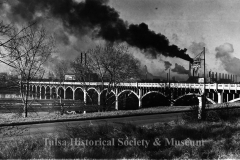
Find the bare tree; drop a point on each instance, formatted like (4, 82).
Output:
(5, 29)
(112, 64)
(60, 69)
(27, 52)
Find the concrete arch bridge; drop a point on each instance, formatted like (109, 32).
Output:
(140, 93)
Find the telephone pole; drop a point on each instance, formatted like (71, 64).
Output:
(204, 83)
(169, 87)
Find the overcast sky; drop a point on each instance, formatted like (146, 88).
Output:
(190, 24)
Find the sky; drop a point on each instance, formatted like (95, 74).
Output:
(190, 24)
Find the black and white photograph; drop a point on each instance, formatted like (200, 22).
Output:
(119, 79)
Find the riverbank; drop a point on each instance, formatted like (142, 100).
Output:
(47, 117)
(173, 140)
(44, 117)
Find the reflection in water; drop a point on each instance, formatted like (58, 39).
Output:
(14, 96)
(2, 96)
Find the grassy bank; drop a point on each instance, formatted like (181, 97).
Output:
(48, 116)
(220, 137)
(8, 118)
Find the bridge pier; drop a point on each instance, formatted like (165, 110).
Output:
(220, 97)
(140, 98)
(116, 99)
(99, 99)
(50, 93)
(40, 93)
(85, 95)
(199, 107)
(73, 94)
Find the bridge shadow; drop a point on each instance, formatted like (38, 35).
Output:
(42, 92)
(92, 97)
(69, 93)
(48, 92)
(127, 101)
(154, 99)
(107, 100)
(79, 95)
(54, 94)
(61, 92)
(188, 100)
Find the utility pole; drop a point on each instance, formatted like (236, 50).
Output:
(202, 98)
(204, 83)
(169, 87)
(169, 77)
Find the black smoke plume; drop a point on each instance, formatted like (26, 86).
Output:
(180, 69)
(99, 19)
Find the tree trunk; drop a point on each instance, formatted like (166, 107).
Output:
(61, 104)
(26, 101)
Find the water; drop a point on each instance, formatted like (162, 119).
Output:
(10, 96)
(18, 96)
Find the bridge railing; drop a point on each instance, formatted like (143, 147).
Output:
(214, 86)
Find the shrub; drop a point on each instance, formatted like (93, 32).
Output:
(227, 113)
(206, 151)
(192, 115)
(212, 116)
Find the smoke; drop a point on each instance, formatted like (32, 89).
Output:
(180, 69)
(224, 51)
(62, 37)
(224, 54)
(167, 64)
(196, 48)
(97, 20)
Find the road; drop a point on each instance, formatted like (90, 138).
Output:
(49, 128)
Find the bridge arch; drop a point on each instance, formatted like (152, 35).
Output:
(153, 92)
(234, 100)
(34, 88)
(48, 88)
(105, 90)
(79, 88)
(127, 90)
(60, 91)
(188, 94)
(128, 100)
(92, 88)
(69, 93)
(210, 100)
(54, 92)
(43, 92)
(69, 87)
(154, 99)
(193, 94)
(184, 100)
(37, 91)
(92, 96)
(107, 101)
(79, 93)
(30, 87)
